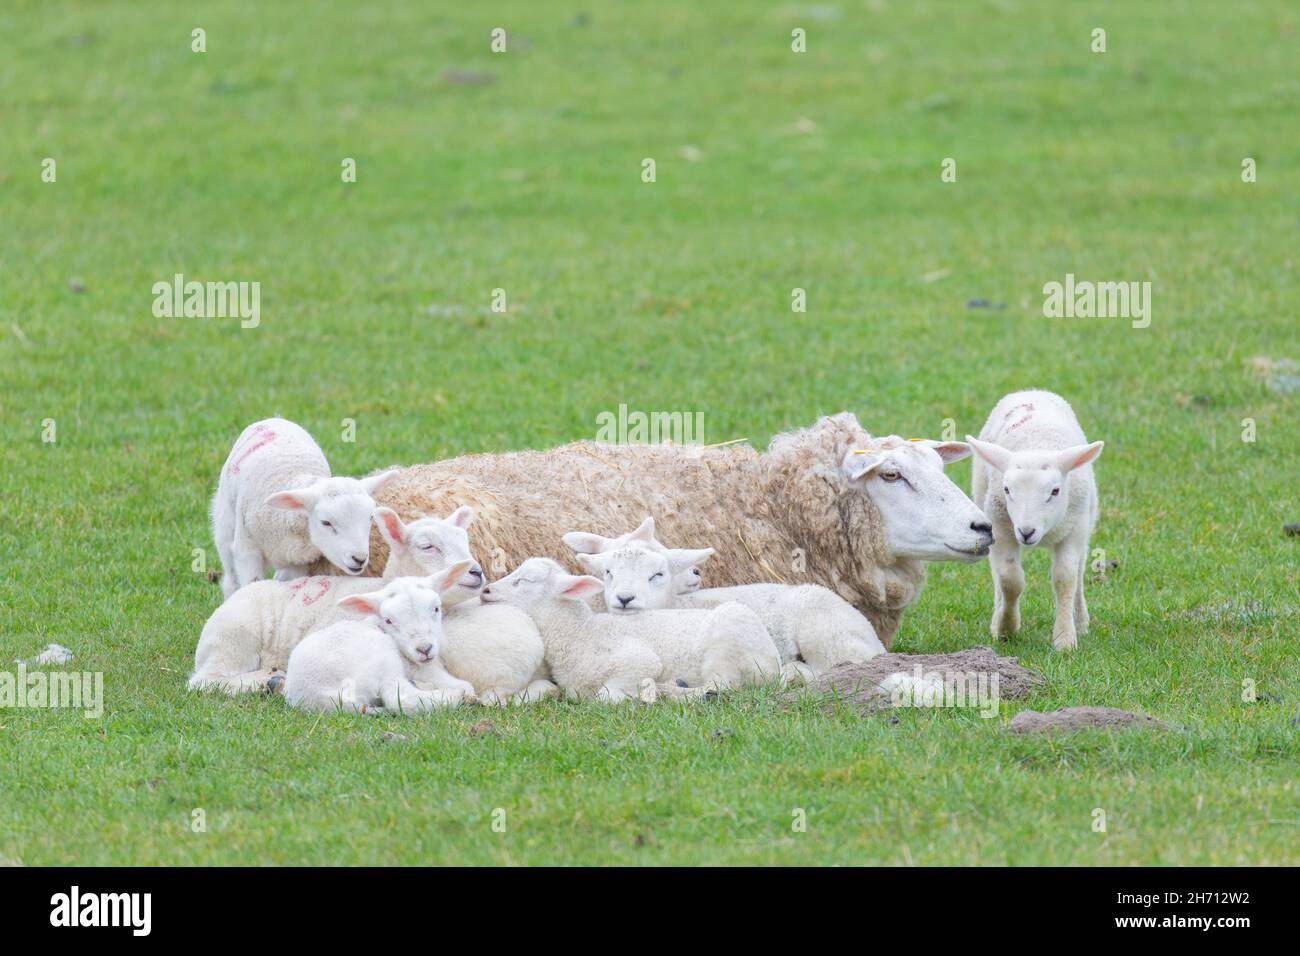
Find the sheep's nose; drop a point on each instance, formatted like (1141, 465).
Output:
(983, 527)
(425, 649)
(360, 559)
(1026, 533)
(487, 590)
(475, 572)
(626, 599)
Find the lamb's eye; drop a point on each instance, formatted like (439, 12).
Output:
(388, 620)
(890, 476)
(657, 574)
(326, 524)
(428, 546)
(1006, 491)
(1055, 492)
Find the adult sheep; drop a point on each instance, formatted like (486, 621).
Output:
(828, 505)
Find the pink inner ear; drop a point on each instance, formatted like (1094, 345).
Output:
(394, 526)
(579, 588)
(286, 500)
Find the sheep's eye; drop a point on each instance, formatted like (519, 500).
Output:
(1006, 491)
(428, 546)
(326, 524)
(1055, 492)
(890, 476)
(657, 574)
(388, 620)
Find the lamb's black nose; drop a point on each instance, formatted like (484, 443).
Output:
(476, 573)
(983, 527)
(626, 600)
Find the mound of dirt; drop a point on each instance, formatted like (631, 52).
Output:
(1070, 719)
(859, 684)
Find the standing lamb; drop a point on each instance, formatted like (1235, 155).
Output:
(609, 655)
(374, 665)
(807, 622)
(1033, 477)
(829, 505)
(277, 505)
(249, 637)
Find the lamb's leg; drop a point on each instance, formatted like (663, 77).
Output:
(798, 674)
(250, 565)
(1008, 583)
(1081, 605)
(402, 696)
(232, 684)
(537, 690)
(1065, 584)
(434, 677)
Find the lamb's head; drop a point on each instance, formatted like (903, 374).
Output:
(685, 580)
(338, 512)
(409, 611)
(429, 544)
(639, 579)
(538, 582)
(1034, 484)
(924, 514)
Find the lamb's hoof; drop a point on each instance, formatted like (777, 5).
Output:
(1065, 643)
(711, 694)
(275, 684)
(647, 692)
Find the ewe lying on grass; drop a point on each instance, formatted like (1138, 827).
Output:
(1033, 477)
(251, 635)
(828, 504)
(276, 505)
(807, 622)
(616, 657)
(374, 665)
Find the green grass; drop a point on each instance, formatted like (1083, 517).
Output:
(667, 296)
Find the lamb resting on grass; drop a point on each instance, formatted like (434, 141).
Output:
(828, 505)
(277, 505)
(1033, 477)
(250, 636)
(808, 624)
(374, 665)
(617, 658)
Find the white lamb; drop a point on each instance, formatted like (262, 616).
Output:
(1033, 477)
(374, 665)
(808, 623)
(277, 506)
(685, 580)
(812, 628)
(249, 637)
(613, 657)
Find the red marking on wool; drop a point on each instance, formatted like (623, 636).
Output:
(322, 587)
(1029, 413)
(261, 437)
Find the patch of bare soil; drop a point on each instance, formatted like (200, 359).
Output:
(1070, 719)
(859, 684)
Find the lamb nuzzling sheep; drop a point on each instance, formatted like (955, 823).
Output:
(1033, 477)
(374, 665)
(807, 622)
(277, 505)
(829, 505)
(251, 635)
(611, 656)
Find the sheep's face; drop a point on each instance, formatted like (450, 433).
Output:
(537, 582)
(925, 515)
(1034, 485)
(637, 578)
(338, 512)
(684, 581)
(409, 612)
(430, 544)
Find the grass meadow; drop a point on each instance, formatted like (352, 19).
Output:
(775, 170)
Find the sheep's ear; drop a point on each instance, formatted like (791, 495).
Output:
(949, 451)
(591, 562)
(682, 559)
(462, 517)
(645, 531)
(582, 543)
(1078, 456)
(299, 499)
(375, 483)
(578, 587)
(362, 605)
(995, 455)
(859, 461)
(447, 578)
(391, 527)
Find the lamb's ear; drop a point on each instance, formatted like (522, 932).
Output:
(949, 451)
(449, 577)
(682, 559)
(462, 517)
(578, 587)
(645, 531)
(391, 527)
(1078, 456)
(361, 605)
(995, 455)
(594, 563)
(582, 543)
(859, 461)
(375, 483)
(298, 499)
